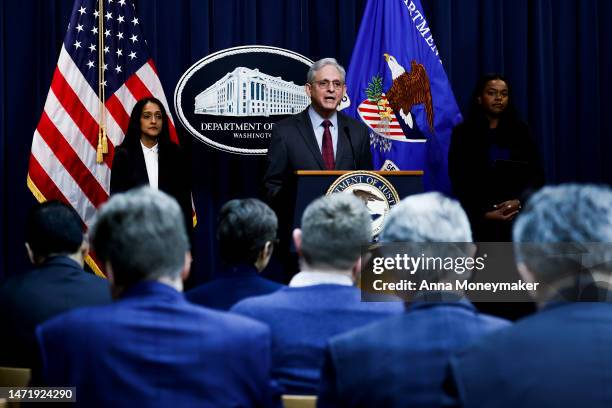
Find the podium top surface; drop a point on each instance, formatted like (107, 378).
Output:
(341, 172)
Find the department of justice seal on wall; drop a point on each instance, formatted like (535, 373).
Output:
(377, 193)
(231, 99)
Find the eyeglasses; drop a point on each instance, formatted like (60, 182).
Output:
(149, 116)
(324, 84)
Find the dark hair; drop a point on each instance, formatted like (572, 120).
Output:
(244, 228)
(53, 228)
(477, 116)
(132, 136)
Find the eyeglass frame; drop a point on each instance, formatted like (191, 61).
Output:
(324, 84)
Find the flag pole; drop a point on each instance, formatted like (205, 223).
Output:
(102, 140)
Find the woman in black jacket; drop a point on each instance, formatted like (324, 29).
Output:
(493, 161)
(147, 156)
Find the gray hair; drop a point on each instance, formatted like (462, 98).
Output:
(320, 64)
(564, 217)
(334, 228)
(141, 233)
(429, 218)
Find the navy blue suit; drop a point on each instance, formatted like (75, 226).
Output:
(153, 348)
(400, 361)
(28, 299)
(559, 357)
(233, 284)
(302, 319)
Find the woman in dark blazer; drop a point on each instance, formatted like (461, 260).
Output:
(165, 167)
(493, 161)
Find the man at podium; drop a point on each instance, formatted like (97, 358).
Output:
(319, 138)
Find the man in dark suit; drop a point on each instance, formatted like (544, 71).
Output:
(151, 347)
(246, 236)
(321, 301)
(562, 355)
(319, 138)
(401, 361)
(56, 246)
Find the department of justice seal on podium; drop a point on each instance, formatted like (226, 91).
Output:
(377, 193)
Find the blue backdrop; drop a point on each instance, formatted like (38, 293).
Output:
(556, 53)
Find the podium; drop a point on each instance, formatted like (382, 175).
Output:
(311, 184)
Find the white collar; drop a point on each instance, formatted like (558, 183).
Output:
(310, 278)
(317, 119)
(153, 149)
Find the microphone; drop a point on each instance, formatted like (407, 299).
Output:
(348, 136)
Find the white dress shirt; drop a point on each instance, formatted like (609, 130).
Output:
(317, 125)
(310, 278)
(152, 163)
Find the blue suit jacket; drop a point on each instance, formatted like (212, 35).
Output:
(400, 361)
(152, 348)
(559, 357)
(302, 319)
(28, 299)
(233, 284)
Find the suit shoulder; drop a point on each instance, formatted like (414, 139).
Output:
(371, 332)
(79, 320)
(350, 120)
(231, 323)
(256, 303)
(494, 322)
(122, 151)
(290, 121)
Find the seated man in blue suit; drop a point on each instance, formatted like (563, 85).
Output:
(321, 300)
(246, 235)
(56, 247)
(562, 355)
(151, 347)
(401, 361)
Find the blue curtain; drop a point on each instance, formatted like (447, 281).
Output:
(556, 54)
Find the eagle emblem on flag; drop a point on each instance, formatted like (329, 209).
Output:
(390, 114)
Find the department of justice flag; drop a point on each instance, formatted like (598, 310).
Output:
(397, 86)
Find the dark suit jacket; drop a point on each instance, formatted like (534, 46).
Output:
(294, 147)
(152, 348)
(30, 298)
(233, 284)
(400, 361)
(129, 171)
(558, 357)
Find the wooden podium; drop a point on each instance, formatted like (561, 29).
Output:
(311, 184)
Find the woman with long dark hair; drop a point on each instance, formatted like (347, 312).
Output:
(493, 161)
(148, 156)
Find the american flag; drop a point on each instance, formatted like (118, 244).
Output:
(63, 159)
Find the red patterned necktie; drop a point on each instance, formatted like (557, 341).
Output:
(327, 147)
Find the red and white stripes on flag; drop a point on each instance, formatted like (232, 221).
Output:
(63, 158)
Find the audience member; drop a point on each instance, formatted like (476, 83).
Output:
(151, 347)
(401, 361)
(56, 246)
(560, 356)
(246, 235)
(321, 300)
